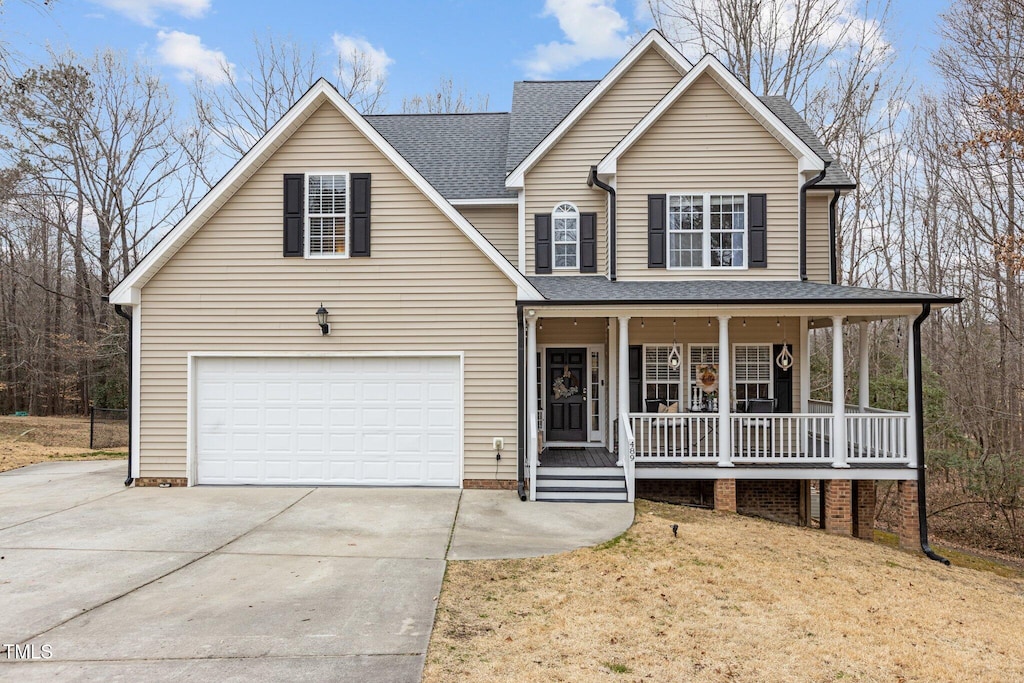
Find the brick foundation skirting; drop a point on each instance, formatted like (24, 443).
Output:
(776, 500)
(725, 495)
(157, 481)
(492, 484)
(910, 531)
(838, 507)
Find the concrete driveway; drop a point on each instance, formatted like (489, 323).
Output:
(332, 584)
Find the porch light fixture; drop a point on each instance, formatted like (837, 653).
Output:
(574, 323)
(674, 361)
(785, 359)
(321, 319)
(642, 323)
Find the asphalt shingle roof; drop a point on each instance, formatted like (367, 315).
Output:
(537, 107)
(467, 156)
(461, 155)
(598, 289)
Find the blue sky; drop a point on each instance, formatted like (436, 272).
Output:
(483, 46)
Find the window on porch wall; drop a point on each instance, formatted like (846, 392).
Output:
(661, 382)
(752, 372)
(595, 391)
(706, 354)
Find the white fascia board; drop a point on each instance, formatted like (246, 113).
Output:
(321, 90)
(496, 201)
(517, 178)
(808, 160)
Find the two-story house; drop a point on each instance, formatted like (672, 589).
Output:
(610, 288)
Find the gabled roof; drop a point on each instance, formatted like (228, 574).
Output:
(835, 176)
(461, 155)
(808, 158)
(653, 39)
(537, 107)
(128, 291)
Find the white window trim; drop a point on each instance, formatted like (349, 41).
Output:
(305, 214)
(555, 242)
(682, 385)
(732, 369)
(706, 232)
(771, 369)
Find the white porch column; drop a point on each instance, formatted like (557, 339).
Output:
(724, 394)
(911, 395)
(805, 365)
(613, 382)
(623, 377)
(531, 399)
(864, 390)
(838, 395)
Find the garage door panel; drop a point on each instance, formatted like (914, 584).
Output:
(328, 420)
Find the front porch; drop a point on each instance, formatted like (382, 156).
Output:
(674, 393)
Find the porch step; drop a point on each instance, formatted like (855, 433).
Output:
(581, 484)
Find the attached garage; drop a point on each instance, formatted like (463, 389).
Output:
(352, 420)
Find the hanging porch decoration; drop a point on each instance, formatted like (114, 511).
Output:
(674, 360)
(707, 377)
(785, 359)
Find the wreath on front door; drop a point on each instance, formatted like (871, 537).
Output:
(565, 385)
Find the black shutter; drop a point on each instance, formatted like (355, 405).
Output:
(360, 221)
(757, 222)
(656, 238)
(783, 382)
(588, 242)
(294, 190)
(542, 243)
(636, 373)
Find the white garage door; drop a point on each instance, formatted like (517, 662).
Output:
(391, 421)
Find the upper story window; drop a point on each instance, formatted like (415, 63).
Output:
(565, 242)
(706, 230)
(326, 214)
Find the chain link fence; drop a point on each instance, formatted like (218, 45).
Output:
(108, 428)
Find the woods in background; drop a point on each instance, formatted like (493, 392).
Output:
(97, 161)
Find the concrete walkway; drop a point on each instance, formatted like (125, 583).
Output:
(332, 584)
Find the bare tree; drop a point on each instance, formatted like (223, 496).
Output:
(445, 99)
(240, 105)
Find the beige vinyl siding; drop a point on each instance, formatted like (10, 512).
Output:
(499, 224)
(426, 288)
(707, 142)
(658, 332)
(561, 175)
(818, 255)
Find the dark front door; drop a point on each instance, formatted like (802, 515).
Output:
(566, 388)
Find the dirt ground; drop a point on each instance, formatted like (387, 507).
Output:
(29, 440)
(730, 599)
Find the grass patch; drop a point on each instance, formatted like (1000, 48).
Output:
(30, 440)
(957, 558)
(729, 598)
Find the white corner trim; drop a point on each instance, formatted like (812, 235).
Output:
(321, 90)
(808, 158)
(496, 201)
(521, 256)
(516, 179)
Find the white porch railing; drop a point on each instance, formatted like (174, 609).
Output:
(677, 437)
(878, 437)
(873, 437)
(534, 455)
(627, 454)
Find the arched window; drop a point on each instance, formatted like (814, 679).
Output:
(566, 238)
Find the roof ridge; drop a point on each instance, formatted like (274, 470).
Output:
(568, 80)
(451, 113)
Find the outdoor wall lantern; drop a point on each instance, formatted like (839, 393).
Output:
(321, 319)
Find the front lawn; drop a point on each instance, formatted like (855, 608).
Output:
(30, 440)
(730, 599)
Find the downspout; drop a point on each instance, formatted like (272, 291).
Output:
(593, 180)
(124, 314)
(521, 390)
(833, 263)
(922, 516)
(803, 218)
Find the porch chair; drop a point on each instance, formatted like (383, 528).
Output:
(751, 425)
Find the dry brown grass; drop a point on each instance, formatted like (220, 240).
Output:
(731, 599)
(29, 440)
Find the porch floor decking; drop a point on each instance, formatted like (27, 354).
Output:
(589, 456)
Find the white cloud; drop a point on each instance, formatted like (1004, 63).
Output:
(147, 11)
(593, 30)
(187, 53)
(352, 48)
